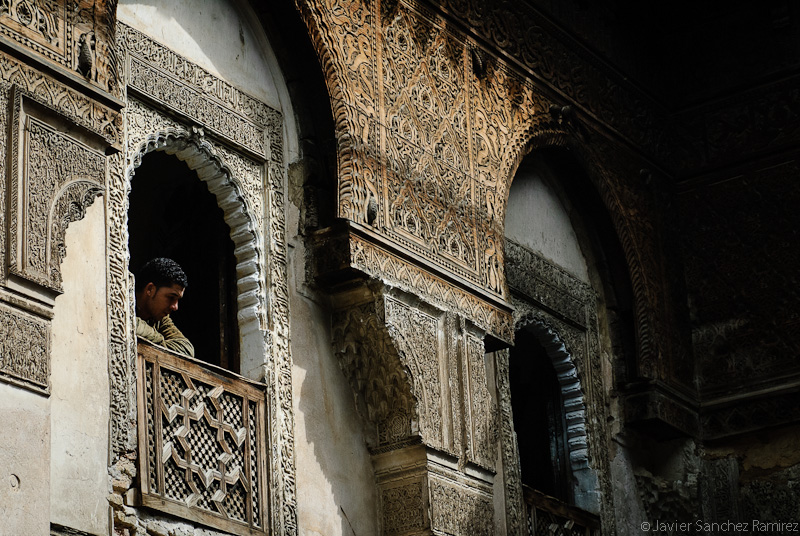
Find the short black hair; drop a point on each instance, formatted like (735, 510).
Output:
(162, 272)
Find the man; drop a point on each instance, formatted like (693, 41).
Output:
(160, 284)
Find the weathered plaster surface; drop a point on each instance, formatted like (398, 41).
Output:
(24, 462)
(222, 37)
(79, 396)
(336, 491)
(537, 218)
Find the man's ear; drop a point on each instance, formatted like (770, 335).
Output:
(150, 289)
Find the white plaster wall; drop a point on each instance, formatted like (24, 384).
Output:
(24, 462)
(537, 218)
(80, 386)
(223, 37)
(336, 491)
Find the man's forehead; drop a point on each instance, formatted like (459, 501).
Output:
(175, 288)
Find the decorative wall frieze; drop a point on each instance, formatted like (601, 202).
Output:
(76, 37)
(172, 81)
(339, 253)
(726, 418)
(549, 285)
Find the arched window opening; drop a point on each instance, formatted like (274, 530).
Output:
(539, 420)
(172, 214)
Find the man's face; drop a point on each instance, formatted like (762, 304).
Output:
(156, 303)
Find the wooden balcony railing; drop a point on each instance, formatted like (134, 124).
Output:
(202, 446)
(548, 516)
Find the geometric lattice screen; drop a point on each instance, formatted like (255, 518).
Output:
(202, 450)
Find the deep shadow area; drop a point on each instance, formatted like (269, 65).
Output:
(172, 214)
(539, 418)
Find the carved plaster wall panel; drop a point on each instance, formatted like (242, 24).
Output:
(54, 178)
(422, 154)
(234, 143)
(75, 36)
(25, 349)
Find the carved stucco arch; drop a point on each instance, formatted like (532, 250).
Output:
(199, 155)
(574, 403)
(597, 169)
(346, 140)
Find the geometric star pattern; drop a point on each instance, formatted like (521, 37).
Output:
(202, 442)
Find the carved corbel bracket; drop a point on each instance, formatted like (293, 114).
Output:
(379, 375)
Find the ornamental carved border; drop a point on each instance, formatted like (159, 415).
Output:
(77, 37)
(561, 310)
(52, 178)
(248, 181)
(425, 143)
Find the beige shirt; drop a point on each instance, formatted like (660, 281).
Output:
(163, 332)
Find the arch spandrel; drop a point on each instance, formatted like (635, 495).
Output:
(429, 131)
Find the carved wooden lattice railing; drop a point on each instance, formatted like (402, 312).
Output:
(547, 516)
(202, 446)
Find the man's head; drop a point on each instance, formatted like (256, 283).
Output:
(160, 283)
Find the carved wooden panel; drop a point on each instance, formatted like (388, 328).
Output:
(76, 36)
(202, 443)
(54, 178)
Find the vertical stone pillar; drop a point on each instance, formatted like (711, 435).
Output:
(420, 381)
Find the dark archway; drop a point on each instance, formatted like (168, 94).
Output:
(172, 214)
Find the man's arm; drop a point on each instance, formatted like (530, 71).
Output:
(166, 334)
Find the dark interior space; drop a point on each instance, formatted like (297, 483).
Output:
(172, 214)
(538, 418)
